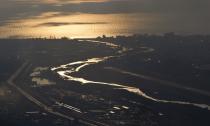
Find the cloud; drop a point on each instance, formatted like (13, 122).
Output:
(52, 24)
(25, 8)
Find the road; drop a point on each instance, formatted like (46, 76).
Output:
(48, 109)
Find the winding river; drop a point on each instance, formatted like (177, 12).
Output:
(65, 71)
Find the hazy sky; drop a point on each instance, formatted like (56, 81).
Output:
(178, 15)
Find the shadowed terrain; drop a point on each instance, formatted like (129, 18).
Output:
(137, 80)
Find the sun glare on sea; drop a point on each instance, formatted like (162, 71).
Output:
(75, 25)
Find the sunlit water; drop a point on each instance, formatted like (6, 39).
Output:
(38, 79)
(75, 25)
(65, 72)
